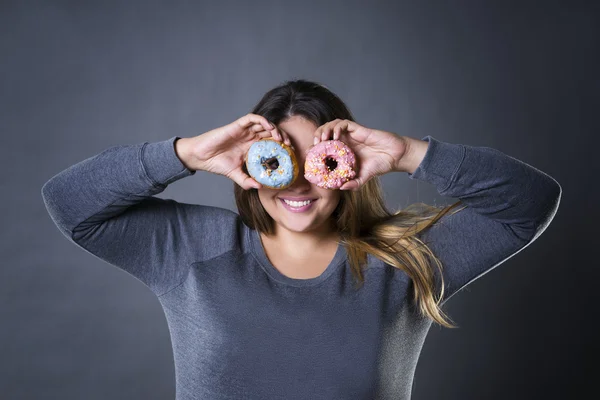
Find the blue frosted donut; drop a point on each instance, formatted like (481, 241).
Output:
(272, 164)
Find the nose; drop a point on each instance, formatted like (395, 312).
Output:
(300, 184)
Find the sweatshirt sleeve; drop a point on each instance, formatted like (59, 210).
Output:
(508, 203)
(105, 204)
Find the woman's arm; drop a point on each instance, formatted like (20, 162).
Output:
(413, 155)
(509, 204)
(105, 204)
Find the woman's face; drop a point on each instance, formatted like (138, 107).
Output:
(323, 201)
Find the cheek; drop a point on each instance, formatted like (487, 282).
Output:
(265, 194)
(332, 200)
(268, 198)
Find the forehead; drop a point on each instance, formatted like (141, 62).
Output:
(300, 130)
(301, 133)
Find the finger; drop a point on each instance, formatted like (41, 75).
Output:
(327, 130)
(276, 134)
(346, 126)
(347, 186)
(317, 135)
(249, 119)
(257, 128)
(264, 134)
(350, 126)
(337, 130)
(336, 133)
(322, 132)
(261, 132)
(355, 184)
(286, 138)
(244, 180)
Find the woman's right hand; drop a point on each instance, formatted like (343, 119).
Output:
(222, 150)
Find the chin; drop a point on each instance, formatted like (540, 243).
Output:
(300, 224)
(297, 225)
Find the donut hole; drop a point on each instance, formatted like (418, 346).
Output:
(270, 163)
(331, 163)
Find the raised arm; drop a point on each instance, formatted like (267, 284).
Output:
(105, 204)
(509, 205)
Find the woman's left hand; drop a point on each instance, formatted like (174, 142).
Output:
(377, 152)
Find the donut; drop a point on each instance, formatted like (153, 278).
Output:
(329, 164)
(272, 163)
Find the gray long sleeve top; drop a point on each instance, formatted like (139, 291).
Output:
(239, 328)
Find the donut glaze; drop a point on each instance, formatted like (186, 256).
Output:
(329, 164)
(273, 164)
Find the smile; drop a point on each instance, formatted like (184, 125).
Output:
(297, 203)
(297, 206)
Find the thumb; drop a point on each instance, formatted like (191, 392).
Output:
(244, 180)
(353, 184)
(363, 176)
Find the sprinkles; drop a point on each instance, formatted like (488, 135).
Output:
(317, 171)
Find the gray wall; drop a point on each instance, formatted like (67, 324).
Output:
(78, 77)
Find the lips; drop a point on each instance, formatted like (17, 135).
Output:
(297, 198)
(296, 209)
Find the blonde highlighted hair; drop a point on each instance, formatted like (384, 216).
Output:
(364, 223)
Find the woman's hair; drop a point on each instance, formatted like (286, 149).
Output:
(363, 222)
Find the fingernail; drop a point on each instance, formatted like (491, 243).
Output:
(316, 140)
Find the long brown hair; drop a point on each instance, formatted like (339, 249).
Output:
(362, 219)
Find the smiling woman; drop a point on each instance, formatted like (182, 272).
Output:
(261, 304)
(299, 225)
(305, 113)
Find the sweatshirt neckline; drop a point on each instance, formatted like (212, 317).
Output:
(259, 252)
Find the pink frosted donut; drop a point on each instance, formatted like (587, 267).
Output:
(329, 164)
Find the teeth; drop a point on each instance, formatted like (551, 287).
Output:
(297, 203)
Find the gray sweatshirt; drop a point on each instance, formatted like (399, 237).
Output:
(240, 329)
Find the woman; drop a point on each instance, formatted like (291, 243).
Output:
(261, 304)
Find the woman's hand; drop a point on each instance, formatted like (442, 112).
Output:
(377, 152)
(222, 150)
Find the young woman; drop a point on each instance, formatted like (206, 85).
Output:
(332, 302)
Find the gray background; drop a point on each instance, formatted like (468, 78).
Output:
(78, 77)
